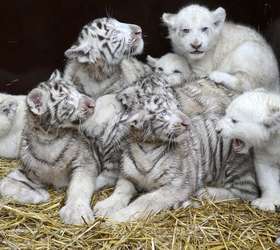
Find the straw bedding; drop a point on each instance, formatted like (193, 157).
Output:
(227, 225)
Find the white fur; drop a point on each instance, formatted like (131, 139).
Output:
(230, 54)
(172, 67)
(11, 126)
(254, 118)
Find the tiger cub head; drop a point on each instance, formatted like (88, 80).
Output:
(106, 39)
(159, 119)
(57, 104)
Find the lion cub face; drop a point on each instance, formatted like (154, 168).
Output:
(194, 30)
(173, 68)
(251, 120)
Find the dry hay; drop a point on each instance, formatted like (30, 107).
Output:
(228, 225)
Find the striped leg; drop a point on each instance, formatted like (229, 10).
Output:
(120, 198)
(77, 209)
(17, 186)
(150, 203)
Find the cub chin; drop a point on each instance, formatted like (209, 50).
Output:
(252, 120)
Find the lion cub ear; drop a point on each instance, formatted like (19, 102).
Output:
(168, 19)
(272, 122)
(219, 16)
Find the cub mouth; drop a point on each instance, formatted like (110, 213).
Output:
(238, 145)
(197, 52)
(136, 46)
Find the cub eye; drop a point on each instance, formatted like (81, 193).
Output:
(204, 29)
(233, 120)
(186, 31)
(177, 71)
(163, 113)
(160, 68)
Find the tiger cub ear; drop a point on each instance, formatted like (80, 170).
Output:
(55, 76)
(37, 101)
(83, 52)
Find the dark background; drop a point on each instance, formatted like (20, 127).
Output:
(35, 33)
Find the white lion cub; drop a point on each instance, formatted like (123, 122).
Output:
(12, 111)
(233, 55)
(252, 120)
(174, 68)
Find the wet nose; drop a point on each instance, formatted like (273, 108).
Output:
(88, 104)
(185, 121)
(196, 45)
(137, 31)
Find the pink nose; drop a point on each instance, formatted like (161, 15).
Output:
(137, 31)
(88, 104)
(185, 123)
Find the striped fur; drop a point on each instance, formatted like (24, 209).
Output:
(194, 95)
(52, 151)
(94, 61)
(171, 157)
(107, 131)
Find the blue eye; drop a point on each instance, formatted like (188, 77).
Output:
(163, 113)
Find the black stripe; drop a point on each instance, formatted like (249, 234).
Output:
(105, 45)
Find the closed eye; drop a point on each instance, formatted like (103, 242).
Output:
(204, 29)
(186, 31)
(177, 71)
(233, 120)
(160, 68)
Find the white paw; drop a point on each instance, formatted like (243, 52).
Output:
(108, 206)
(222, 78)
(76, 214)
(266, 204)
(22, 193)
(125, 215)
(202, 194)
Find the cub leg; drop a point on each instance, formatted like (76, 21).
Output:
(268, 178)
(123, 193)
(18, 186)
(150, 203)
(77, 209)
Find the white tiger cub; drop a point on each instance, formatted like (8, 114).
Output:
(252, 120)
(12, 112)
(233, 55)
(94, 61)
(169, 156)
(53, 152)
(172, 67)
